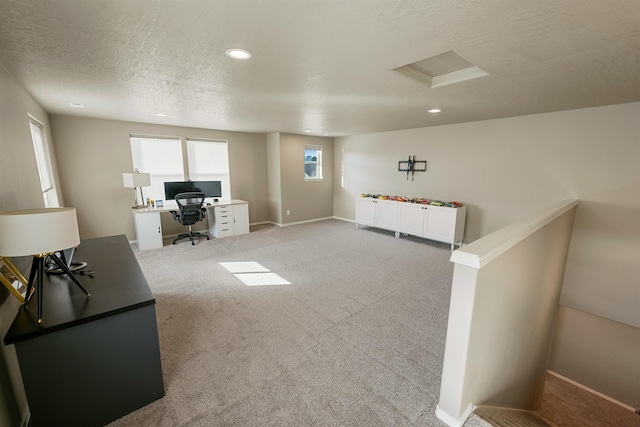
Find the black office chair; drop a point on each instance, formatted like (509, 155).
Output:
(191, 211)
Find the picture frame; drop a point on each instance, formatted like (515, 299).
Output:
(159, 203)
(13, 280)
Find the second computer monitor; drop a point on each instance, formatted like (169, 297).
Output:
(209, 188)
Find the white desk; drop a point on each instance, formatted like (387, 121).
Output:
(226, 218)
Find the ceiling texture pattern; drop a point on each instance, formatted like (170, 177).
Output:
(323, 66)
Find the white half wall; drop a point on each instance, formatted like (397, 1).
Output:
(504, 301)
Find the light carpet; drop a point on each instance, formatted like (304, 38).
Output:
(356, 339)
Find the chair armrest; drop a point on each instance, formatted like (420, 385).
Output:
(175, 214)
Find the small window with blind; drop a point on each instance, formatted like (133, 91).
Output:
(312, 162)
(43, 160)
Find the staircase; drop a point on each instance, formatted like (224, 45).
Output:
(563, 405)
(503, 417)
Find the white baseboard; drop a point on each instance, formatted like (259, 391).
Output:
(344, 219)
(301, 222)
(451, 421)
(261, 223)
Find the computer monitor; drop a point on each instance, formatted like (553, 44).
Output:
(172, 188)
(209, 188)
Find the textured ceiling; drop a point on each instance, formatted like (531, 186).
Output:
(324, 66)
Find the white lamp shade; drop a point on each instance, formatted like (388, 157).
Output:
(38, 231)
(135, 180)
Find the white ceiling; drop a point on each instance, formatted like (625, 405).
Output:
(324, 66)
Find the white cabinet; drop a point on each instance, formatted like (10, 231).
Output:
(386, 215)
(366, 211)
(445, 224)
(148, 230)
(229, 220)
(240, 218)
(441, 223)
(221, 222)
(377, 213)
(411, 218)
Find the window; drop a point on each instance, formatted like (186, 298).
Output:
(162, 158)
(209, 161)
(312, 162)
(159, 157)
(43, 160)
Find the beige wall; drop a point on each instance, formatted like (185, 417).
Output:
(305, 200)
(502, 170)
(93, 154)
(19, 189)
(576, 350)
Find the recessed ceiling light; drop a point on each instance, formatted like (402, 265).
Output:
(238, 53)
(76, 105)
(161, 115)
(307, 131)
(434, 110)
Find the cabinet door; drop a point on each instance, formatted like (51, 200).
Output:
(365, 211)
(411, 218)
(148, 230)
(241, 218)
(386, 214)
(440, 224)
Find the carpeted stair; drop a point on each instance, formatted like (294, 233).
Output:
(502, 417)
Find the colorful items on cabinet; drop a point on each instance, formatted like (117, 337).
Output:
(413, 200)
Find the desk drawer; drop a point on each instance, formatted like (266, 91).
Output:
(225, 230)
(222, 210)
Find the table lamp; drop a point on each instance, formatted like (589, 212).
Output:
(40, 233)
(137, 180)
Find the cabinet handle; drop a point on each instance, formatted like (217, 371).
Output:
(159, 230)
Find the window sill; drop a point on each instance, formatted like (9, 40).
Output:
(313, 179)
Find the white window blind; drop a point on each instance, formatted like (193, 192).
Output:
(159, 157)
(42, 158)
(43, 162)
(209, 161)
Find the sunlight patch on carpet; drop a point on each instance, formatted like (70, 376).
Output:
(244, 267)
(261, 279)
(254, 274)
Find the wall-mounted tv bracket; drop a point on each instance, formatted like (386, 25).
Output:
(411, 166)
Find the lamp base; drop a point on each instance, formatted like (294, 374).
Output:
(135, 200)
(37, 272)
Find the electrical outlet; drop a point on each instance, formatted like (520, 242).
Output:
(288, 212)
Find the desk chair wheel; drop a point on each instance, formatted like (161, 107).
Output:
(190, 235)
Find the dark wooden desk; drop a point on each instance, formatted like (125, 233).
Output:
(92, 360)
